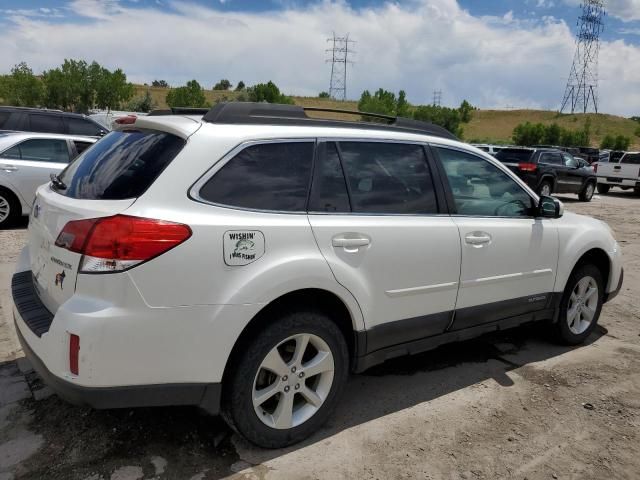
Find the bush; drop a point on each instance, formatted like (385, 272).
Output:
(188, 96)
(268, 92)
(528, 134)
(144, 103)
(323, 95)
(223, 84)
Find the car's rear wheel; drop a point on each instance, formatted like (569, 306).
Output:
(636, 191)
(580, 305)
(9, 208)
(603, 188)
(587, 192)
(288, 380)
(545, 188)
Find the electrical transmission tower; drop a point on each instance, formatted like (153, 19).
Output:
(437, 98)
(582, 86)
(339, 59)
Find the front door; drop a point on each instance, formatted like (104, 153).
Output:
(509, 258)
(384, 239)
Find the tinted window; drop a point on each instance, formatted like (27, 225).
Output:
(4, 116)
(270, 176)
(81, 146)
(514, 155)
(482, 189)
(121, 165)
(329, 192)
(40, 150)
(82, 126)
(46, 123)
(633, 158)
(388, 178)
(551, 159)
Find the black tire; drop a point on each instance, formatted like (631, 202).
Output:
(563, 332)
(237, 395)
(603, 188)
(15, 210)
(636, 191)
(542, 185)
(587, 192)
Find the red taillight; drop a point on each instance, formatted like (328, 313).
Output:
(527, 167)
(74, 354)
(112, 244)
(128, 120)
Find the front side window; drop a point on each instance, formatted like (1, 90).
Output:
(388, 178)
(482, 189)
(268, 176)
(40, 150)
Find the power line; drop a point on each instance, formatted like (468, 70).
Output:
(339, 59)
(437, 98)
(582, 86)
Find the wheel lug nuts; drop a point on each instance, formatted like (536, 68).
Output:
(301, 374)
(293, 369)
(286, 389)
(297, 386)
(285, 378)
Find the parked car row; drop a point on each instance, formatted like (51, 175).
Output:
(49, 121)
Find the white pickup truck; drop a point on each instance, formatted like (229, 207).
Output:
(625, 173)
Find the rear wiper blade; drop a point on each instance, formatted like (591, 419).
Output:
(59, 184)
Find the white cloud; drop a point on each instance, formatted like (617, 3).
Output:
(625, 10)
(418, 45)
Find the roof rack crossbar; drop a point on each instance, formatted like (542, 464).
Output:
(250, 113)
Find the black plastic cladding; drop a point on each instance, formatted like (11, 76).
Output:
(248, 113)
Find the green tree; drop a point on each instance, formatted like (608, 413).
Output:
(268, 92)
(21, 88)
(402, 106)
(637, 132)
(382, 101)
(223, 84)
(552, 134)
(465, 110)
(241, 86)
(608, 142)
(144, 103)
(188, 96)
(111, 88)
(448, 118)
(622, 143)
(323, 95)
(160, 83)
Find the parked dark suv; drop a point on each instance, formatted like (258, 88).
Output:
(49, 121)
(548, 171)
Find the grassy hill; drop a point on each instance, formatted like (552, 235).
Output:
(490, 126)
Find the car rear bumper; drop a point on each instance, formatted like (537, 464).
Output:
(206, 396)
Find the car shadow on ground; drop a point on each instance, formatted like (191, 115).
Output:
(80, 441)
(19, 224)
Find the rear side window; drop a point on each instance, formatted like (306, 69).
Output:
(633, 158)
(269, 176)
(551, 159)
(388, 178)
(121, 165)
(40, 150)
(329, 191)
(46, 123)
(82, 126)
(4, 116)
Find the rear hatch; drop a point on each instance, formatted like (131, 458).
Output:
(514, 158)
(104, 181)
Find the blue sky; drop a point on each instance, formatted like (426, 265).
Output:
(496, 53)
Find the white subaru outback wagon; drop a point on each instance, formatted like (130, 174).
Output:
(247, 259)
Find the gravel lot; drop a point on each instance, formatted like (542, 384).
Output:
(509, 405)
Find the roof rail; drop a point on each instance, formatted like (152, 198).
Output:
(178, 111)
(295, 115)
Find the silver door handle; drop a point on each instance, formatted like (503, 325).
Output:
(350, 242)
(477, 238)
(8, 168)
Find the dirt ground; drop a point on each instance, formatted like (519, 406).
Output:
(508, 405)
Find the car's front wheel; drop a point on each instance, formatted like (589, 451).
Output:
(288, 380)
(9, 208)
(580, 305)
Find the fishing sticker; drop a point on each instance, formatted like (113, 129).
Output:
(241, 247)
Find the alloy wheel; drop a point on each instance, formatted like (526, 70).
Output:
(545, 190)
(293, 381)
(583, 304)
(5, 209)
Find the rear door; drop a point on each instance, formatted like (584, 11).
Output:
(629, 169)
(553, 163)
(30, 163)
(509, 258)
(46, 123)
(105, 181)
(374, 213)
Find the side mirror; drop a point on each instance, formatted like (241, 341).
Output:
(550, 207)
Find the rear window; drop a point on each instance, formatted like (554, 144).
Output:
(122, 165)
(82, 126)
(514, 155)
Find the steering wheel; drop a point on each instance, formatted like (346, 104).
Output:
(518, 202)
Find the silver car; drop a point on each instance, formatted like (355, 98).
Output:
(26, 161)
